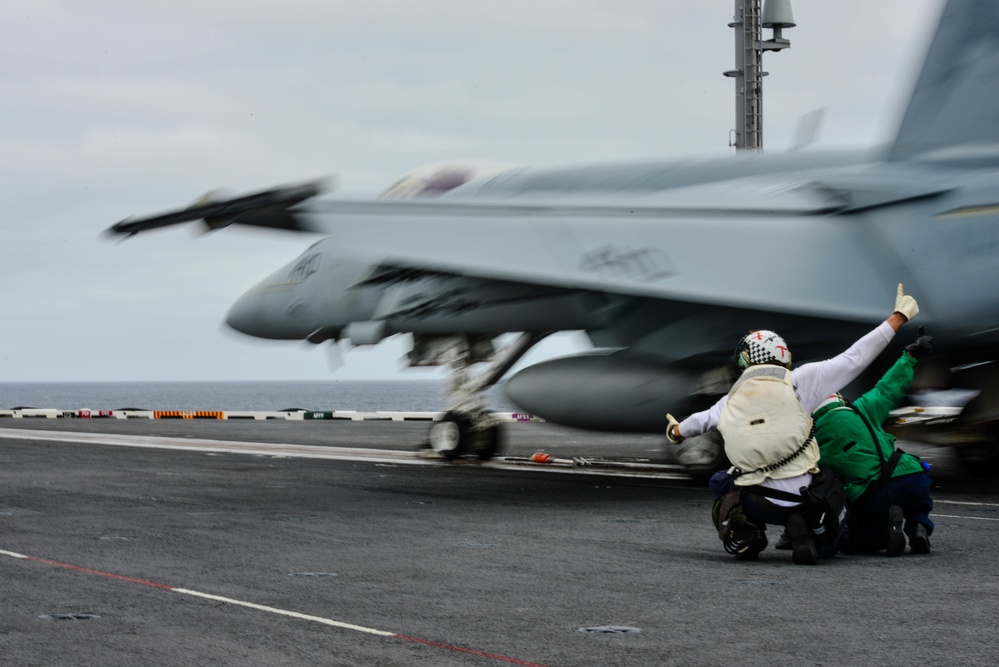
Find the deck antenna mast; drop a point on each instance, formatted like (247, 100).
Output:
(748, 72)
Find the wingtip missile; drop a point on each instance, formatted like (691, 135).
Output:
(267, 208)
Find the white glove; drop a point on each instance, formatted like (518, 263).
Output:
(905, 304)
(670, 423)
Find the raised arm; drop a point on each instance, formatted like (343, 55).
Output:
(816, 381)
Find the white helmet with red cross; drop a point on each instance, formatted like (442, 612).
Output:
(761, 347)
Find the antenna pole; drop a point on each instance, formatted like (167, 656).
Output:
(748, 73)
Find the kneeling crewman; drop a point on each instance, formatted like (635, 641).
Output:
(883, 485)
(766, 422)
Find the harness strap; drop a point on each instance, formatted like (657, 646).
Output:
(887, 467)
(776, 494)
(761, 370)
(880, 483)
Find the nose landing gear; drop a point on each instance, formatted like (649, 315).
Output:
(457, 434)
(467, 429)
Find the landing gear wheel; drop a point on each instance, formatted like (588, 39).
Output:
(449, 436)
(487, 442)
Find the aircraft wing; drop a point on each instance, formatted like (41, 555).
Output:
(682, 244)
(687, 245)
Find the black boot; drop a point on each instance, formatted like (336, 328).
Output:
(783, 542)
(896, 538)
(919, 541)
(802, 545)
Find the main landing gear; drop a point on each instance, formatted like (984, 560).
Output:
(467, 429)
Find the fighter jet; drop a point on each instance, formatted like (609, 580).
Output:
(664, 264)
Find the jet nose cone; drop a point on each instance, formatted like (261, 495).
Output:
(244, 315)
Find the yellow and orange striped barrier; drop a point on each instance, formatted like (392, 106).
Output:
(183, 414)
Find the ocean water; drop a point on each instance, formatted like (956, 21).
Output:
(320, 395)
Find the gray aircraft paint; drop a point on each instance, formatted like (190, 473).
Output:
(665, 263)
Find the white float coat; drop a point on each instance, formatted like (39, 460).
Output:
(813, 383)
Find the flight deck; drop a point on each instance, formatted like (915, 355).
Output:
(162, 541)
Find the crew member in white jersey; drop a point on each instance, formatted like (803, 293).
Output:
(766, 422)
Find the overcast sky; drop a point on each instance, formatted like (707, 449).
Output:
(113, 108)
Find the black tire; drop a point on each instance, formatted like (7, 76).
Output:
(489, 442)
(449, 436)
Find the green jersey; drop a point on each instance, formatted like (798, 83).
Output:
(845, 441)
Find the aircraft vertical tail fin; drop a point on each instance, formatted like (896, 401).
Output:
(953, 114)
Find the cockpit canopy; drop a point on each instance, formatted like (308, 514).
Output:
(433, 180)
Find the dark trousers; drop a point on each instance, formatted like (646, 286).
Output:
(868, 521)
(758, 508)
(761, 511)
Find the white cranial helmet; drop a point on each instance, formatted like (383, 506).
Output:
(760, 347)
